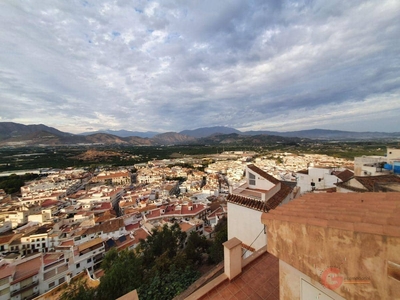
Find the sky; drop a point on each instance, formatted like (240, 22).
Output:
(166, 65)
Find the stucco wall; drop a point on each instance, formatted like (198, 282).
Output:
(290, 281)
(316, 251)
(261, 183)
(244, 224)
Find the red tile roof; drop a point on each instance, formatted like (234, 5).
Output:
(258, 280)
(344, 175)
(260, 172)
(185, 226)
(131, 227)
(369, 182)
(141, 234)
(374, 213)
(260, 205)
(26, 269)
(6, 239)
(49, 202)
(49, 258)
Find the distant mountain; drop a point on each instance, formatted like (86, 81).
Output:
(172, 138)
(15, 130)
(241, 139)
(207, 131)
(320, 134)
(124, 133)
(14, 134)
(325, 134)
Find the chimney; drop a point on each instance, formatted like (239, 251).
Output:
(232, 257)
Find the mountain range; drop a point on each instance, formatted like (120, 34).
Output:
(15, 134)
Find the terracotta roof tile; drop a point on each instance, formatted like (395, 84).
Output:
(107, 227)
(140, 234)
(370, 183)
(344, 175)
(89, 244)
(375, 213)
(263, 174)
(26, 269)
(260, 205)
(258, 280)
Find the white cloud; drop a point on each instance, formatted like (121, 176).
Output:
(170, 65)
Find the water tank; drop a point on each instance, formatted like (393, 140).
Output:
(388, 167)
(396, 168)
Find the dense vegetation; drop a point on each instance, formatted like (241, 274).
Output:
(161, 267)
(12, 184)
(63, 156)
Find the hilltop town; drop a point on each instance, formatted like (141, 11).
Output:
(62, 224)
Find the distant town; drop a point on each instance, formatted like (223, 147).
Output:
(61, 224)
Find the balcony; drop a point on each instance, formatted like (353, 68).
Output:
(24, 288)
(54, 264)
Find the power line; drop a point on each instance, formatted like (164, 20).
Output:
(254, 241)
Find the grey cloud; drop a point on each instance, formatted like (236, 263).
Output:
(176, 65)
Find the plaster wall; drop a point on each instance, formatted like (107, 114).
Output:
(343, 190)
(393, 153)
(321, 181)
(261, 183)
(318, 172)
(316, 251)
(244, 224)
(354, 183)
(295, 285)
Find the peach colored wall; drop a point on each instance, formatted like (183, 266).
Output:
(290, 280)
(232, 257)
(314, 250)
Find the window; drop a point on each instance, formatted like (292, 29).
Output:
(78, 266)
(89, 260)
(61, 280)
(51, 284)
(43, 245)
(252, 179)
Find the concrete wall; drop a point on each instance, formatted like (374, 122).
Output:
(244, 224)
(295, 285)
(393, 153)
(321, 251)
(261, 183)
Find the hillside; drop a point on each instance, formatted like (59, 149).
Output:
(14, 134)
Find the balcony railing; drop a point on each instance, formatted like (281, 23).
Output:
(24, 288)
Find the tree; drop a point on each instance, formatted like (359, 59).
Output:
(123, 273)
(167, 285)
(221, 236)
(78, 290)
(195, 247)
(159, 269)
(164, 240)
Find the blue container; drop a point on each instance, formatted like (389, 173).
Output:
(396, 168)
(388, 167)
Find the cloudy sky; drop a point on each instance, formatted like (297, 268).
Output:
(174, 65)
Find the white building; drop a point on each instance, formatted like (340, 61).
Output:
(260, 193)
(315, 178)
